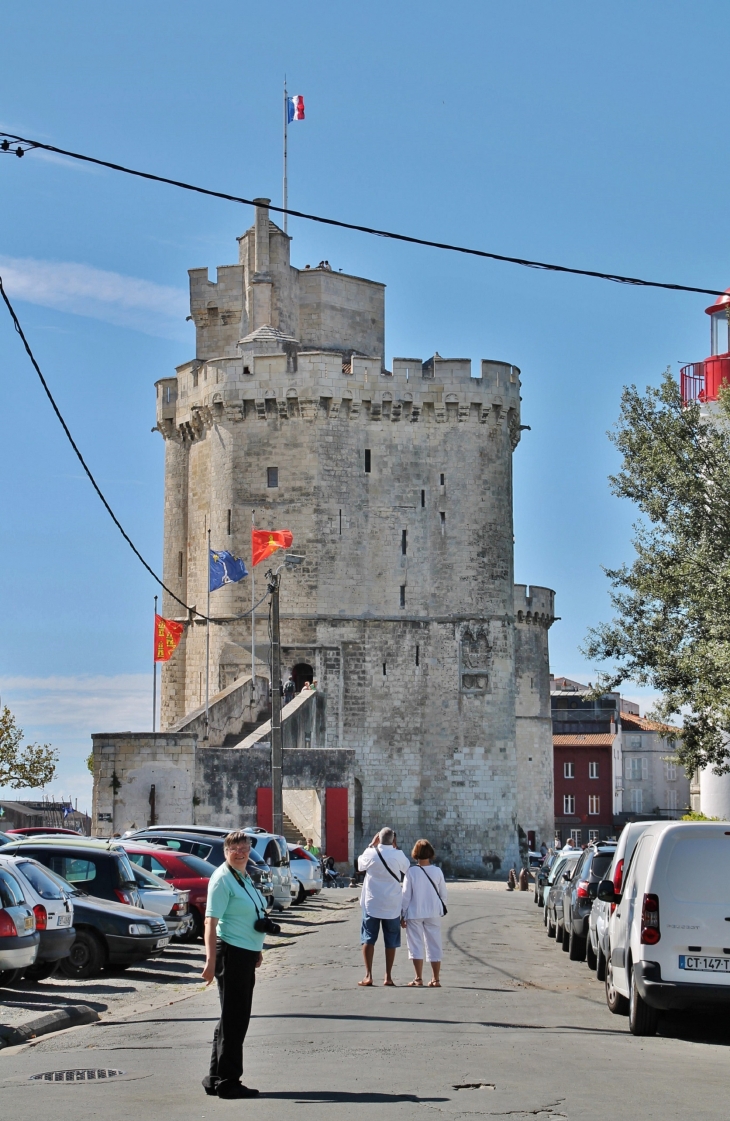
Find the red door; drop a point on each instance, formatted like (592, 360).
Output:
(335, 816)
(264, 808)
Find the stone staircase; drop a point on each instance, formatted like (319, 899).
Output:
(292, 834)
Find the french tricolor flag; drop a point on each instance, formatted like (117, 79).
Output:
(295, 108)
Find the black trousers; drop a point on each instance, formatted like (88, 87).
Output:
(235, 973)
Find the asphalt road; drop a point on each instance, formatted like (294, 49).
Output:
(517, 1031)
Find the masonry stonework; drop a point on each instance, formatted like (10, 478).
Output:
(397, 486)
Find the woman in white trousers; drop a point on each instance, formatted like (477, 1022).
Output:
(423, 906)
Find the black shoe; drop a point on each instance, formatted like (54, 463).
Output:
(211, 1090)
(238, 1092)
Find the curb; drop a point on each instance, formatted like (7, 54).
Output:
(69, 1017)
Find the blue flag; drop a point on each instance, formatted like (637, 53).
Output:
(225, 569)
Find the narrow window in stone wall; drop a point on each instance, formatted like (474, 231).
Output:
(418, 651)
(402, 595)
(443, 480)
(443, 521)
(404, 541)
(195, 379)
(423, 498)
(367, 461)
(385, 668)
(179, 564)
(272, 476)
(229, 523)
(340, 523)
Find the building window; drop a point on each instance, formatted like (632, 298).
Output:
(671, 799)
(593, 770)
(404, 541)
(402, 595)
(195, 379)
(443, 521)
(423, 498)
(443, 480)
(568, 803)
(670, 771)
(568, 770)
(637, 769)
(575, 835)
(594, 835)
(418, 654)
(229, 522)
(635, 743)
(272, 476)
(179, 564)
(637, 801)
(385, 669)
(594, 804)
(367, 461)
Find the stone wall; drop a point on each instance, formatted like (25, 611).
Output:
(534, 615)
(127, 765)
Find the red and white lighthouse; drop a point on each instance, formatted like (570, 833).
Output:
(701, 381)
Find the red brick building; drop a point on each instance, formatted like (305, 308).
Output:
(584, 782)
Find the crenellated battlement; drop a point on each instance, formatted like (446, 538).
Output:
(534, 605)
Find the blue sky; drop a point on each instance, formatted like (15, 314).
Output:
(586, 134)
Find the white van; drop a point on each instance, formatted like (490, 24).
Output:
(669, 936)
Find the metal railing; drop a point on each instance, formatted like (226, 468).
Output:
(692, 382)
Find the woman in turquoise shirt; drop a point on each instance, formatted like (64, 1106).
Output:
(232, 955)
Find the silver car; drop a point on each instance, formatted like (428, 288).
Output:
(19, 939)
(274, 851)
(165, 900)
(306, 873)
(53, 910)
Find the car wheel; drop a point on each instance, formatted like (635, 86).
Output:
(559, 933)
(591, 955)
(85, 958)
(617, 1003)
(600, 965)
(198, 927)
(41, 971)
(576, 947)
(544, 916)
(643, 1019)
(565, 943)
(8, 976)
(301, 895)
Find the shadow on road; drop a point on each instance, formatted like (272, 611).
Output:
(342, 1097)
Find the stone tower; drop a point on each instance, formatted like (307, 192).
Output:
(397, 486)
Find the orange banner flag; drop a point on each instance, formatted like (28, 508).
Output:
(167, 636)
(264, 542)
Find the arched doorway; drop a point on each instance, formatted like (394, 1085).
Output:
(301, 673)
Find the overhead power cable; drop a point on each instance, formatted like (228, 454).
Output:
(25, 145)
(92, 480)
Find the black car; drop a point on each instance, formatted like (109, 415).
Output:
(97, 867)
(210, 849)
(541, 876)
(109, 934)
(579, 895)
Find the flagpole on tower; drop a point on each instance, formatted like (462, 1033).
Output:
(286, 125)
(207, 642)
(154, 674)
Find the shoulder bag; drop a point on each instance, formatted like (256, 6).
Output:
(433, 885)
(387, 867)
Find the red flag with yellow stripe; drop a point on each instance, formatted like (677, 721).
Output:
(264, 542)
(167, 636)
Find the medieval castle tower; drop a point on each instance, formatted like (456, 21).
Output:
(397, 486)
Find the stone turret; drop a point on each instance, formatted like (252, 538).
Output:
(397, 486)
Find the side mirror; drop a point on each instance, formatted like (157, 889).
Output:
(607, 893)
(566, 875)
(592, 890)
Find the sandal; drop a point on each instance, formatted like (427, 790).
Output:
(365, 984)
(415, 984)
(434, 984)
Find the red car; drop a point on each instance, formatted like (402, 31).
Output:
(181, 869)
(40, 831)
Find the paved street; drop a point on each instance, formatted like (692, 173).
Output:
(517, 1030)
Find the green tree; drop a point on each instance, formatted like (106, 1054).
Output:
(671, 630)
(29, 766)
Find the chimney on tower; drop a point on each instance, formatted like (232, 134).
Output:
(261, 280)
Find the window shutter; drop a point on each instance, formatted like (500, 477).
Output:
(644, 769)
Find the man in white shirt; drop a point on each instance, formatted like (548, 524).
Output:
(384, 866)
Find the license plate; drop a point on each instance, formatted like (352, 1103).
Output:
(64, 920)
(704, 964)
(161, 942)
(28, 922)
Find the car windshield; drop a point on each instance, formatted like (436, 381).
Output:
(40, 880)
(11, 893)
(196, 865)
(65, 886)
(600, 865)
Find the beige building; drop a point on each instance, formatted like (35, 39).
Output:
(431, 665)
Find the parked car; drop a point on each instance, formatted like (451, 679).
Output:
(205, 847)
(306, 873)
(99, 867)
(19, 939)
(668, 931)
(597, 948)
(42, 831)
(205, 830)
(541, 876)
(109, 934)
(165, 900)
(579, 894)
(190, 873)
(5, 838)
(553, 893)
(53, 910)
(274, 851)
